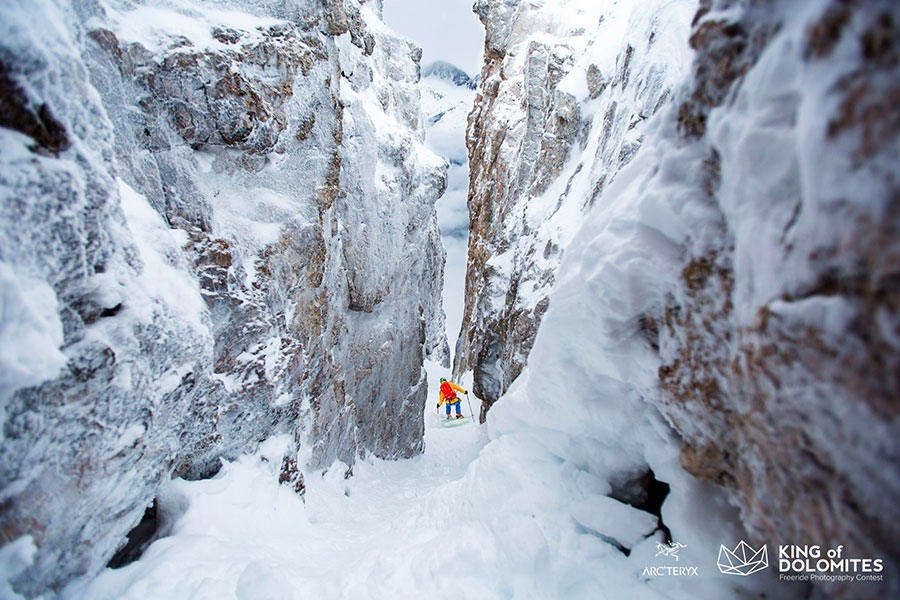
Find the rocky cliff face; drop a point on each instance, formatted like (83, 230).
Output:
(564, 99)
(217, 224)
(739, 276)
(780, 340)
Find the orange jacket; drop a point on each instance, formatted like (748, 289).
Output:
(450, 398)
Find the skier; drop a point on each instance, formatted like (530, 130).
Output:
(448, 396)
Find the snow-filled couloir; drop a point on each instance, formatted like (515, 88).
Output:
(219, 247)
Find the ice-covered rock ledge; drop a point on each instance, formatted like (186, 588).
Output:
(217, 224)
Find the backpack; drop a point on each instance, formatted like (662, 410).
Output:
(447, 391)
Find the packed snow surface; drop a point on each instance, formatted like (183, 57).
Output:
(382, 532)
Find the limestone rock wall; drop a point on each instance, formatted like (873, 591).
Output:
(738, 276)
(779, 342)
(563, 101)
(217, 225)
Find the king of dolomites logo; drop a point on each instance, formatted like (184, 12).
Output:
(743, 560)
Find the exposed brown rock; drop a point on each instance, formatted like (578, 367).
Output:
(822, 36)
(37, 122)
(291, 475)
(870, 105)
(523, 133)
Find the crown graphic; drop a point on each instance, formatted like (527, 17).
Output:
(743, 560)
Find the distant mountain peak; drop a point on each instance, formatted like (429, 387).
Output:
(444, 70)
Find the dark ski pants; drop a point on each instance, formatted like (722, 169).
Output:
(456, 404)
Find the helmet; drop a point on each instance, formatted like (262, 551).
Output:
(443, 380)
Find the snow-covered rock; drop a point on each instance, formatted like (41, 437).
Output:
(217, 224)
(779, 340)
(444, 70)
(565, 96)
(726, 317)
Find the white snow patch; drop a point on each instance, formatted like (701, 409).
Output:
(15, 557)
(160, 278)
(131, 435)
(161, 26)
(30, 332)
(282, 400)
(171, 379)
(252, 217)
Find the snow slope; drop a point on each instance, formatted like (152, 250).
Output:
(380, 533)
(517, 514)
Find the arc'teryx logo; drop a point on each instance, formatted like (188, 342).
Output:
(670, 550)
(743, 560)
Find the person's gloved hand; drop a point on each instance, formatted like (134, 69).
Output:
(438, 405)
(466, 392)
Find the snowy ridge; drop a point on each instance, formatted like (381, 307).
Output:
(450, 72)
(445, 108)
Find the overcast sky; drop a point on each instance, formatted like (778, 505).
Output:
(445, 29)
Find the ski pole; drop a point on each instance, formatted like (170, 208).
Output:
(469, 402)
